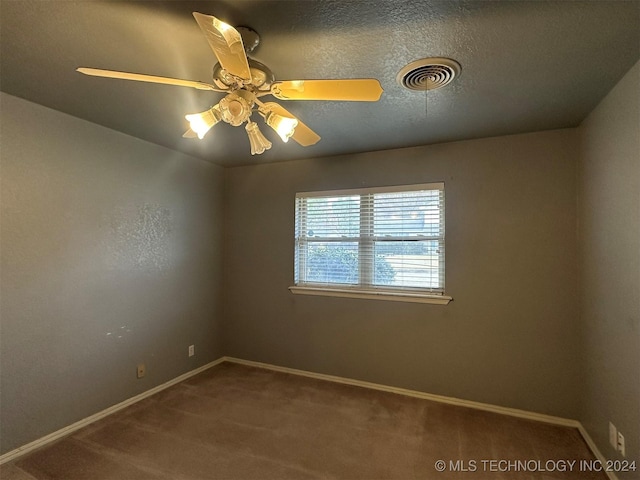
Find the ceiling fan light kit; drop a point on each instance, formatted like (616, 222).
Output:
(201, 123)
(283, 126)
(244, 80)
(257, 140)
(236, 107)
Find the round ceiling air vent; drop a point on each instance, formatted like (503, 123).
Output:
(428, 73)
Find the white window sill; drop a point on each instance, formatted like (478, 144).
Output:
(372, 295)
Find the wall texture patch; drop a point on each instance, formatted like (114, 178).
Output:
(141, 236)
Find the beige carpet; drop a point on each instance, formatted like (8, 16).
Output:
(238, 422)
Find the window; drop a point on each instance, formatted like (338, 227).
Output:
(375, 242)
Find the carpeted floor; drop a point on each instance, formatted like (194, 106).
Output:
(239, 422)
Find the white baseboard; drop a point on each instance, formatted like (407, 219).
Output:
(18, 452)
(514, 412)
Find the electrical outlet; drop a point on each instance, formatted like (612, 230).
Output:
(613, 435)
(142, 370)
(192, 350)
(621, 444)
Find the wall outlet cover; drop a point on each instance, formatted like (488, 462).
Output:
(613, 435)
(192, 350)
(621, 446)
(142, 370)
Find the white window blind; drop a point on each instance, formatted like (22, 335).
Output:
(389, 238)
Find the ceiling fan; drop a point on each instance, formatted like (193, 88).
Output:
(244, 81)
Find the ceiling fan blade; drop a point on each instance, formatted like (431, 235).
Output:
(302, 134)
(95, 72)
(353, 90)
(226, 43)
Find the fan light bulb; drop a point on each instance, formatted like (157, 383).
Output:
(284, 126)
(257, 140)
(202, 122)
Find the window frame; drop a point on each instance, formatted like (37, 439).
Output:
(366, 243)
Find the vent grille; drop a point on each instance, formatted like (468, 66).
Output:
(428, 73)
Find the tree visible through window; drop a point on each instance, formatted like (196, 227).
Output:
(377, 238)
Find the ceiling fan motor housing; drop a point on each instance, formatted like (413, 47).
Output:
(261, 76)
(250, 38)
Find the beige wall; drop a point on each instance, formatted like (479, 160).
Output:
(609, 264)
(110, 256)
(509, 336)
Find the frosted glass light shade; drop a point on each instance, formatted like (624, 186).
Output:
(202, 122)
(284, 126)
(257, 140)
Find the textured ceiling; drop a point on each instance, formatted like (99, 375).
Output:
(526, 66)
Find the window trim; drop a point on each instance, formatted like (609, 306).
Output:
(373, 292)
